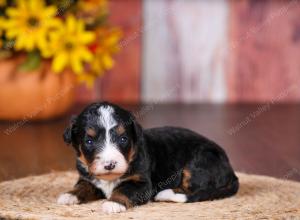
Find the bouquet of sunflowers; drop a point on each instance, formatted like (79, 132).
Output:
(70, 34)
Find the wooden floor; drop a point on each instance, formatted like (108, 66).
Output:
(259, 139)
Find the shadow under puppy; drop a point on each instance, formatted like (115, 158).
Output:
(129, 166)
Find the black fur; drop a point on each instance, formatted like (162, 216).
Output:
(163, 156)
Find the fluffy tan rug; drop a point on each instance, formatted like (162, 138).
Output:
(259, 197)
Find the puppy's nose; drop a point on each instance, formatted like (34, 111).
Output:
(110, 165)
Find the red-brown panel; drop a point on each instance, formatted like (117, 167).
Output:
(122, 83)
(264, 51)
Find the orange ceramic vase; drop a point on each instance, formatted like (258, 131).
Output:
(36, 95)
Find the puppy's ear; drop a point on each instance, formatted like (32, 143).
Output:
(137, 131)
(69, 130)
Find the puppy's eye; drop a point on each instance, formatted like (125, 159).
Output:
(89, 142)
(123, 140)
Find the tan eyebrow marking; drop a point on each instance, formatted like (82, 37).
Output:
(120, 129)
(91, 132)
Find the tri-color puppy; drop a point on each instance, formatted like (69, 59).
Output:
(119, 161)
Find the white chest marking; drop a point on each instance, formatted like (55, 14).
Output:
(107, 187)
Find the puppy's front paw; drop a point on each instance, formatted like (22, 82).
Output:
(67, 199)
(112, 207)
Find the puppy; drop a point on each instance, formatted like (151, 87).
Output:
(119, 161)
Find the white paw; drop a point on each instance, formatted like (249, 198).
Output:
(169, 195)
(67, 199)
(112, 207)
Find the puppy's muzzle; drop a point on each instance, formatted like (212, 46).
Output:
(110, 165)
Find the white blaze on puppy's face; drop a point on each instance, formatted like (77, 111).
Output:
(110, 150)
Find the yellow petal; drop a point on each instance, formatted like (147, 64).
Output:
(12, 12)
(87, 37)
(80, 26)
(108, 62)
(29, 46)
(86, 55)
(71, 23)
(22, 4)
(88, 79)
(12, 33)
(76, 63)
(49, 12)
(42, 42)
(46, 52)
(34, 5)
(19, 43)
(60, 62)
(54, 24)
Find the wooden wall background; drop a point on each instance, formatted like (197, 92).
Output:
(265, 55)
(184, 54)
(122, 83)
(205, 51)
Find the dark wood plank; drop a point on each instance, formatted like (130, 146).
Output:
(267, 144)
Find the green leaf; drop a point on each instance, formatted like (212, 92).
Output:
(32, 62)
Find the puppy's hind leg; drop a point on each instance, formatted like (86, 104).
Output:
(209, 176)
(179, 194)
(170, 195)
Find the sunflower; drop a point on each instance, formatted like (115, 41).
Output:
(69, 46)
(104, 48)
(29, 23)
(107, 45)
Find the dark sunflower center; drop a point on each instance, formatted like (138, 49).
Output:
(33, 21)
(69, 46)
